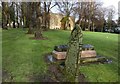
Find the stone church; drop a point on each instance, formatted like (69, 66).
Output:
(55, 21)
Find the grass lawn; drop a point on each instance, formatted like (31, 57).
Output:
(23, 57)
(0, 54)
(0, 48)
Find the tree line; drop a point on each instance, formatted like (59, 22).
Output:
(36, 15)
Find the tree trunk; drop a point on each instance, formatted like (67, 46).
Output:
(30, 31)
(48, 17)
(89, 24)
(85, 24)
(45, 16)
(4, 21)
(30, 23)
(30, 18)
(14, 26)
(38, 35)
(17, 10)
(72, 57)
(45, 21)
(38, 30)
(4, 15)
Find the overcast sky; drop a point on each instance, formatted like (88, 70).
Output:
(106, 3)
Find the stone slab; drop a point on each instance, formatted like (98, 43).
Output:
(59, 55)
(84, 54)
(88, 53)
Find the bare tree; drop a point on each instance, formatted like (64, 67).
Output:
(99, 18)
(82, 11)
(11, 11)
(110, 15)
(46, 13)
(5, 15)
(23, 13)
(87, 12)
(38, 30)
(30, 17)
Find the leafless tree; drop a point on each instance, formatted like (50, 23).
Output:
(5, 15)
(87, 12)
(38, 30)
(110, 15)
(47, 6)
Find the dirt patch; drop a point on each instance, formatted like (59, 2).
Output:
(57, 67)
(53, 74)
(41, 78)
(59, 75)
(6, 77)
(56, 73)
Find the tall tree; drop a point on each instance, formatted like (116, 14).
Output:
(82, 10)
(38, 30)
(12, 14)
(86, 12)
(31, 17)
(99, 19)
(110, 15)
(17, 4)
(46, 13)
(4, 15)
(24, 6)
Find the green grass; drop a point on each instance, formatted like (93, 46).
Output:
(0, 54)
(23, 57)
(106, 44)
(0, 48)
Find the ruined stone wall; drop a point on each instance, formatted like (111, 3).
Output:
(55, 21)
(71, 23)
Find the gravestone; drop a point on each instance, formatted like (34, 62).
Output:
(73, 54)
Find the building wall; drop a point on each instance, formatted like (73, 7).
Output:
(72, 21)
(55, 21)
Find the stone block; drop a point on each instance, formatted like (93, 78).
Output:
(84, 54)
(88, 53)
(59, 55)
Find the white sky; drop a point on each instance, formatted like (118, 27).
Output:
(106, 3)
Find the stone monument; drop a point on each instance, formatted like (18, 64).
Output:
(72, 61)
